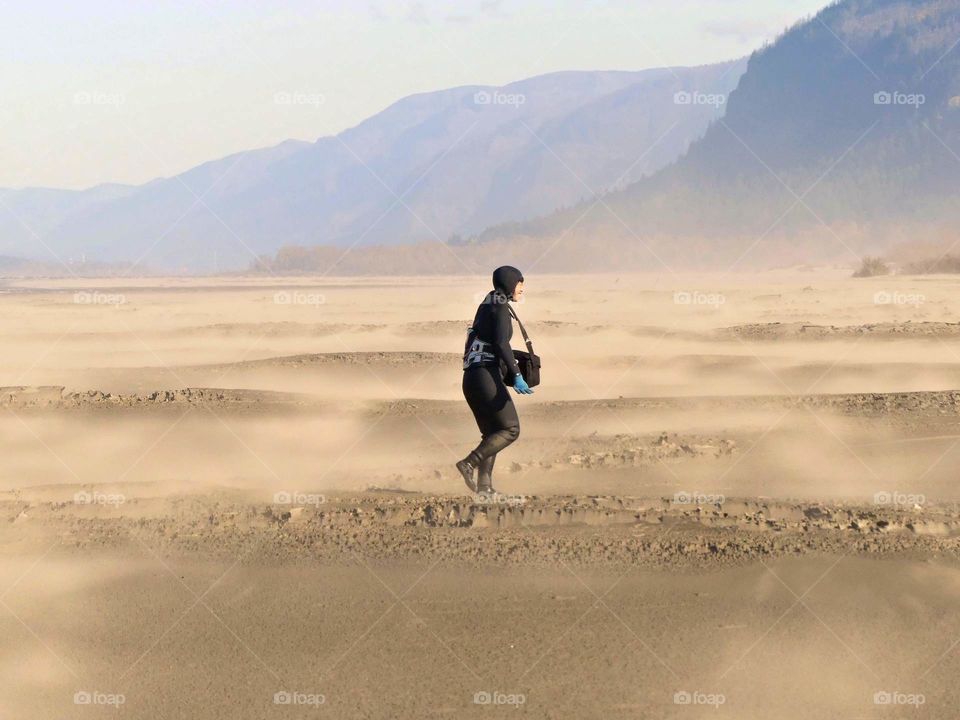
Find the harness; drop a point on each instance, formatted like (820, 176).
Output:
(478, 352)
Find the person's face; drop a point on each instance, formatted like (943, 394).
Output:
(518, 292)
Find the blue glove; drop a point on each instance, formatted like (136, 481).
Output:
(520, 385)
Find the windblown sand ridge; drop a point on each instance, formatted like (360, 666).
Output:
(867, 404)
(688, 530)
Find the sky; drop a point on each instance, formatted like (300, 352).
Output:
(129, 90)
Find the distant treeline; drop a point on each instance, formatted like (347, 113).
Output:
(934, 266)
(939, 265)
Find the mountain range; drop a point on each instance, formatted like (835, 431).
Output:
(841, 138)
(434, 167)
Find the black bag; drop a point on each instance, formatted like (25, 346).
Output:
(529, 361)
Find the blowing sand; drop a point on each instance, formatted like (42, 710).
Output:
(732, 497)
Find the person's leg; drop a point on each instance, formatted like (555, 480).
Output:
(495, 442)
(495, 413)
(496, 416)
(485, 476)
(476, 391)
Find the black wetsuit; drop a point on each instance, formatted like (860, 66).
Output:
(483, 383)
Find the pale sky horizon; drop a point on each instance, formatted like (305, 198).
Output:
(127, 91)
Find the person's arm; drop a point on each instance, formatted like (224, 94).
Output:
(501, 343)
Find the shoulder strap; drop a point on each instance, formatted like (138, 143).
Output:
(523, 330)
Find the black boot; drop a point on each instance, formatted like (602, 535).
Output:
(467, 469)
(487, 491)
(485, 483)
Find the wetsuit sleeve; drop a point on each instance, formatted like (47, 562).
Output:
(501, 344)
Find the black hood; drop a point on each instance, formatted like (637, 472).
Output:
(505, 280)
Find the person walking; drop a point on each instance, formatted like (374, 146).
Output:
(484, 383)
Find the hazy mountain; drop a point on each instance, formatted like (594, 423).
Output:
(41, 210)
(428, 167)
(843, 136)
